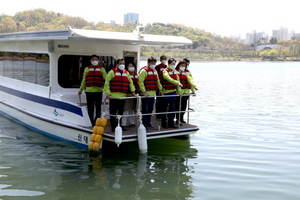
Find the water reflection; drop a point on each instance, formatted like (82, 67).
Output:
(4, 191)
(37, 165)
(133, 175)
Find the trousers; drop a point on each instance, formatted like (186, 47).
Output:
(182, 106)
(93, 98)
(116, 107)
(147, 108)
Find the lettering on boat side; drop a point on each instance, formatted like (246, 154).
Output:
(57, 114)
(81, 138)
(63, 46)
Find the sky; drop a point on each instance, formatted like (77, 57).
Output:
(222, 17)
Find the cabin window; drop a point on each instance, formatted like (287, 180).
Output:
(1, 64)
(42, 69)
(8, 64)
(28, 67)
(18, 66)
(71, 68)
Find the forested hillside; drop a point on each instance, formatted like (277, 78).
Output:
(206, 45)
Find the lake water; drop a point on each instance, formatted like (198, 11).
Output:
(248, 147)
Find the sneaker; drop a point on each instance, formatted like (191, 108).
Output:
(172, 126)
(178, 123)
(182, 121)
(150, 126)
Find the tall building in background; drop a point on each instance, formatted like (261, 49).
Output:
(131, 17)
(255, 37)
(281, 34)
(276, 34)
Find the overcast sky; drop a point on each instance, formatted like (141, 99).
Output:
(224, 17)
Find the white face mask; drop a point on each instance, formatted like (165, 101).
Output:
(121, 67)
(95, 62)
(182, 69)
(172, 67)
(131, 69)
(152, 66)
(164, 62)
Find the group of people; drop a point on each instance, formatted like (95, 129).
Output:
(176, 80)
(167, 80)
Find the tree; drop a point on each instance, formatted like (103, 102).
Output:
(273, 40)
(264, 53)
(8, 25)
(130, 26)
(273, 53)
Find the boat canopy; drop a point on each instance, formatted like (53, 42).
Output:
(134, 38)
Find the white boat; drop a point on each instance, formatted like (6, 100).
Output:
(40, 75)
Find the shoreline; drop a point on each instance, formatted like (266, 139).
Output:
(238, 60)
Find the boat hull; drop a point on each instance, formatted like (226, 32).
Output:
(56, 130)
(80, 136)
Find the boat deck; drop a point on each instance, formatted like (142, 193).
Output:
(157, 132)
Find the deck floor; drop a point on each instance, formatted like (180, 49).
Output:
(157, 128)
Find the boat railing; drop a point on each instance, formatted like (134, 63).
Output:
(139, 107)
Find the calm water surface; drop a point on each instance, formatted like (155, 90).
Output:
(248, 147)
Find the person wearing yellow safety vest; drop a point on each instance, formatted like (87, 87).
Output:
(171, 87)
(92, 82)
(188, 85)
(117, 84)
(149, 83)
(130, 104)
(187, 66)
(159, 101)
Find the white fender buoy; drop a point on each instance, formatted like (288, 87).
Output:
(118, 135)
(118, 132)
(142, 139)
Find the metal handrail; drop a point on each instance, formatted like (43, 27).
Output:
(162, 96)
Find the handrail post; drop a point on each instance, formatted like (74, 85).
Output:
(188, 113)
(179, 114)
(79, 100)
(138, 113)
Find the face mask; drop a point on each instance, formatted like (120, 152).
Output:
(164, 62)
(182, 69)
(131, 69)
(95, 62)
(152, 66)
(172, 67)
(121, 67)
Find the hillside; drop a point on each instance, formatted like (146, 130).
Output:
(206, 45)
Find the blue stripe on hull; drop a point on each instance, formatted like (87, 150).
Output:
(42, 100)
